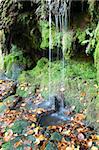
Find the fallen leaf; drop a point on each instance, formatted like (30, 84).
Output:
(36, 130)
(80, 117)
(66, 132)
(29, 132)
(17, 144)
(69, 148)
(83, 94)
(94, 148)
(89, 143)
(8, 135)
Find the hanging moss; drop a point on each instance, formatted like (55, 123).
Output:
(44, 28)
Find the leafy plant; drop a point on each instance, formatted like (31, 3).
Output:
(88, 37)
(44, 27)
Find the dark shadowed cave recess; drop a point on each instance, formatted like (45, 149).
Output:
(25, 31)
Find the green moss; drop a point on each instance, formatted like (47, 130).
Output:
(96, 54)
(15, 62)
(7, 146)
(19, 126)
(67, 43)
(79, 78)
(44, 27)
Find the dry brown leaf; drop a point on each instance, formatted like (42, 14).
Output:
(29, 132)
(79, 117)
(62, 145)
(83, 94)
(17, 144)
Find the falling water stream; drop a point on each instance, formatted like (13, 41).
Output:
(50, 47)
(60, 10)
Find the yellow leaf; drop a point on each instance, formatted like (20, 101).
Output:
(97, 137)
(94, 148)
(39, 139)
(22, 88)
(66, 132)
(69, 148)
(1, 104)
(36, 130)
(26, 88)
(1, 81)
(33, 125)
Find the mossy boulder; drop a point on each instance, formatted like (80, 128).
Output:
(15, 62)
(79, 77)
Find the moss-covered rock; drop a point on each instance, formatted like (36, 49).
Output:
(79, 81)
(15, 62)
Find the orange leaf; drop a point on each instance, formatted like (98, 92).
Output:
(17, 144)
(30, 132)
(80, 117)
(83, 94)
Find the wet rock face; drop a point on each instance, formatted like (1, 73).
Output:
(59, 103)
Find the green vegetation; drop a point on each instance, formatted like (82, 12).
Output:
(79, 78)
(44, 27)
(15, 62)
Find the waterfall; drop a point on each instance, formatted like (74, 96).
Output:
(59, 9)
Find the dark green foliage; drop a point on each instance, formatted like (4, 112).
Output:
(56, 136)
(51, 146)
(7, 146)
(19, 126)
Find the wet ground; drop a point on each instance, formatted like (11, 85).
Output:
(25, 127)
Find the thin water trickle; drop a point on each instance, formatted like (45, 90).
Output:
(50, 47)
(1, 59)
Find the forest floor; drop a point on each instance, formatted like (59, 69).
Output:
(20, 130)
